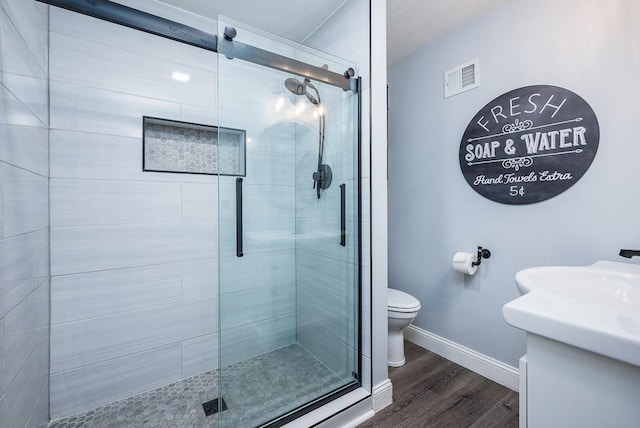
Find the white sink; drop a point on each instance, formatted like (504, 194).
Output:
(594, 307)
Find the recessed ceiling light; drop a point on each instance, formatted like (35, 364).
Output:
(180, 77)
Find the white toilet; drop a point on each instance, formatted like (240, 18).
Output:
(402, 308)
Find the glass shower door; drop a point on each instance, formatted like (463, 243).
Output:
(289, 231)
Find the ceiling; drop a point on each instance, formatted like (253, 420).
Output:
(411, 24)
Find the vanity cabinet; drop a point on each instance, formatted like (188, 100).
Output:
(562, 386)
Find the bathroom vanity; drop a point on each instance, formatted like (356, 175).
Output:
(564, 386)
(582, 367)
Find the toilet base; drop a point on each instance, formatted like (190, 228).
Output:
(397, 363)
(396, 348)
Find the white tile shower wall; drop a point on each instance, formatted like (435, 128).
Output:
(133, 254)
(95, 340)
(258, 337)
(262, 234)
(24, 219)
(24, 328)
(115, 291)
(196, 354)
(2, 356)
(131, 374)
(77, 249)
(345, 34)
(25, 202)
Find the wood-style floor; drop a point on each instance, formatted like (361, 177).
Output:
(430, 391)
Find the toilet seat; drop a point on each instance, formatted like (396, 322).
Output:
(399, 301)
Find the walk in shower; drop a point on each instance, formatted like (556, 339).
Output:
(205, 192)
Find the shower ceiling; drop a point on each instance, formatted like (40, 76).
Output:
(291, 19)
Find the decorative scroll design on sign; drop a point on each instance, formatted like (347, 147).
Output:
(516, 126)
(517, 163)
(523, 162)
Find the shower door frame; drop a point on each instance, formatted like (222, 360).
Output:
(133, 18)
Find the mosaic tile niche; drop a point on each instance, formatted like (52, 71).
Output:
(171, 146)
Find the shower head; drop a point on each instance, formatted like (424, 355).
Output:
(297, 87)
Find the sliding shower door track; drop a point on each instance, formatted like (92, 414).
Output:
(133, 18)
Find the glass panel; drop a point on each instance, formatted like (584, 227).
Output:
(289, 302)
(134, 252)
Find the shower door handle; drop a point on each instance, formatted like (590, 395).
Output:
(239, 252)
(343, 215)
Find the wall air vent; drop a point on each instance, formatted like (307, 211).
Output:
(462, 78)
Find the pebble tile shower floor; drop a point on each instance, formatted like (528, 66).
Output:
(255, 391)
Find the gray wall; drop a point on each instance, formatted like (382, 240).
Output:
(587, 46)
(24, 215)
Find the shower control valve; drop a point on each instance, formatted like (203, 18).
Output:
(322, 178)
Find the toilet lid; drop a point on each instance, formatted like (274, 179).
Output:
(400, 301)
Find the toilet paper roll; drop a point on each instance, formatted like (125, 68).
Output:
(463, 263)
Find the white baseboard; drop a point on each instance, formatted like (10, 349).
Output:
(488, 367)
(382, 395)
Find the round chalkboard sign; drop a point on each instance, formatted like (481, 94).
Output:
(529, 144)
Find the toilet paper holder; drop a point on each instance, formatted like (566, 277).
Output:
(483, 253)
